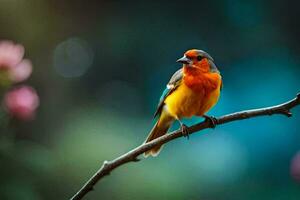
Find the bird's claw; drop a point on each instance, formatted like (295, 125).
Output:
(212, 120)
(184, 130)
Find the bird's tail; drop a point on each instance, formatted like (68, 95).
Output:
(160, 128)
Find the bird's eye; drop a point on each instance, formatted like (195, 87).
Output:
(199, 58)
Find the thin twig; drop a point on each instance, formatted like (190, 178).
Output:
(132, 156)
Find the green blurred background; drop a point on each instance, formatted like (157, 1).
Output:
(100, 67)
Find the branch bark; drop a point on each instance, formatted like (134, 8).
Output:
(132, 156)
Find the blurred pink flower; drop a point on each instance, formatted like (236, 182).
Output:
(21, 102)
(11, 61)
(21, 71)
(295, 167)
(10, 54)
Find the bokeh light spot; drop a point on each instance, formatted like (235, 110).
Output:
(72, 57)
(295, 167)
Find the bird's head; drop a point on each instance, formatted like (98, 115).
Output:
(198, 59)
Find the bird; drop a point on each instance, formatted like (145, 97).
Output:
(192, 91)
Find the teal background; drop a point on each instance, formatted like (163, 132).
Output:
(100, 68)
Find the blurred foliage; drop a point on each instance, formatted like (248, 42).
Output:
(99, 68)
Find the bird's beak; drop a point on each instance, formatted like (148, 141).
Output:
(184, 60)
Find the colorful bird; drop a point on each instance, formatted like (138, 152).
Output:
(192, 91)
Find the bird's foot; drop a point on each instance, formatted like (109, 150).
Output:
(212, 120)
(184, 130)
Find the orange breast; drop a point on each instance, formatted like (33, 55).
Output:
(195, 96)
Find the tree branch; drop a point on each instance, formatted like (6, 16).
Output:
(132, 156)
